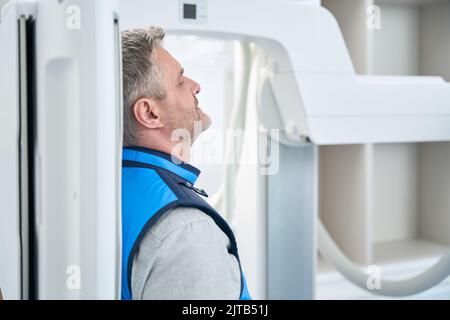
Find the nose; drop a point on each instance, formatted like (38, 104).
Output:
(196, 87)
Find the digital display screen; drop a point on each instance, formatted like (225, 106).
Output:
(189, 11)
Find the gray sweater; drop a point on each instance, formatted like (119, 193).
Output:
(185, 256)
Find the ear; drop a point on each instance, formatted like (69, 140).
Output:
(147, 113)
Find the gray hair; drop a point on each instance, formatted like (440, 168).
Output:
(141, 76)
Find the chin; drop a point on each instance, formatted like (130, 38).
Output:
(206, 122)
(205, 119)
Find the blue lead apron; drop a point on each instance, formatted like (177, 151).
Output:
(152, 184)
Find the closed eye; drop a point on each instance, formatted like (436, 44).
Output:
(180, 77)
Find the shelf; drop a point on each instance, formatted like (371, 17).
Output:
(410, 250)
(408, 2)
(397, 260)
(391, 253)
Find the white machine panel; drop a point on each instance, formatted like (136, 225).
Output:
(72, 70)
(10, 248)
(78, 149)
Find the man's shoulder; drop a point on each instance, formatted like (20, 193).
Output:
(185, 255)
(179, 218)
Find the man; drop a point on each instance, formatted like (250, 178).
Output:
(175, 246)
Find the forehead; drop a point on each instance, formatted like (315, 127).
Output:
(165, 61)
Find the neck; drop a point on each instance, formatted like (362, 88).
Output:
(177, 149)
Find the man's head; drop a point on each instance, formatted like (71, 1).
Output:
(158, 97)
